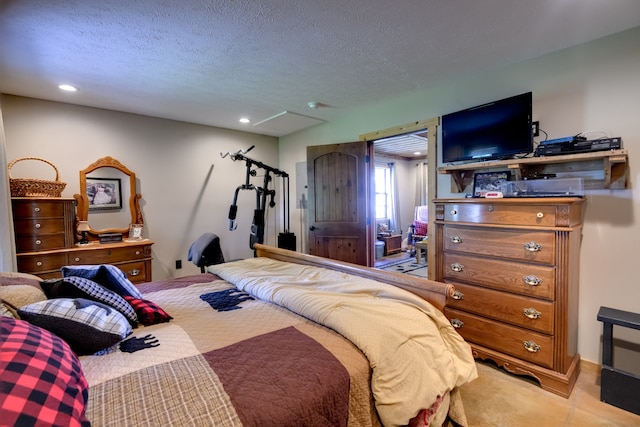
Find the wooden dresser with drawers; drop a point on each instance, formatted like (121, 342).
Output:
(515, 265)
(46, 241)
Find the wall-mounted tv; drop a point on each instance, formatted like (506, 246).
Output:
(497, 130)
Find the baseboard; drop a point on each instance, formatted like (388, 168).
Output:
(590, 367)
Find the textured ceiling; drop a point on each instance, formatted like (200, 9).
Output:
(211, 62)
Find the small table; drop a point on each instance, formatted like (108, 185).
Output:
(420, 246)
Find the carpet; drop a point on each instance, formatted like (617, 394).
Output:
(408, 266)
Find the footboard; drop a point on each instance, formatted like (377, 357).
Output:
(434, 292)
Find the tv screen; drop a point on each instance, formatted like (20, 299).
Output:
(496, 130)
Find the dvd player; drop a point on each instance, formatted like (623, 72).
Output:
(575, 146)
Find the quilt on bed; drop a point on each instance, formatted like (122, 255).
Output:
(226, 360)
(415, 354)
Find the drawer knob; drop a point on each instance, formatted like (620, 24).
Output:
(456, 239)
(457, 267)
(532, 280)
(531, 346)
(38, 225)
(457, 295)
(137, 252)
(532, 313)
(533, 247)
(457, 323)
(39, 263)
(77, 259)
(539, 215)
(454, 212)
(134, 272)
(37, 209)
(38, 242)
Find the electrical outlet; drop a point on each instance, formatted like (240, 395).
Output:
(178, 264)
(535, 128)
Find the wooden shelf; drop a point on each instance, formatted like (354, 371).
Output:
(600, 169)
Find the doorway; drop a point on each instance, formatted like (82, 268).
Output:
(407, 153)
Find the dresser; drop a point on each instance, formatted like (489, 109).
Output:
(514, 264)
(45, 242)
(392, 243)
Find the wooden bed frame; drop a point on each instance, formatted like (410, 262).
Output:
(434, 292)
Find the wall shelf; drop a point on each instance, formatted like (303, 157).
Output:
(600, 169)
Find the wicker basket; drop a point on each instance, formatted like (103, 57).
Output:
(24, 187)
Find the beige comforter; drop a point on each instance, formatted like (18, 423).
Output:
(415, 354)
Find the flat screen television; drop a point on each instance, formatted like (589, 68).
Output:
(497, 130)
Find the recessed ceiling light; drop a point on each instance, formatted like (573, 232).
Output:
(244, 120)
(68, 88)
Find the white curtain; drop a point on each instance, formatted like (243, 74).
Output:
(395, 202)
(421, 184)
(7, 246)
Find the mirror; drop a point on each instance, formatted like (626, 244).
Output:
(108, 198)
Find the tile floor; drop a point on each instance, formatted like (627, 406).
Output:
(499, 399)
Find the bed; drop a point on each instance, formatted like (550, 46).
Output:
(282, 339)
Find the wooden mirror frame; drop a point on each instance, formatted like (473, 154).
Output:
(82, 210)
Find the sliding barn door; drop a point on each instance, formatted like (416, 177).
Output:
(338, 180)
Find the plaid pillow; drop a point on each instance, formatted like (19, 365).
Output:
(79, 287)
(149, 313)
(109, 276)
(42, 382)
(87, 326)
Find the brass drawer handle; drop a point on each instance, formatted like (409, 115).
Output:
(39, 263)
(457, 267)
(457, 323)
(134, 272)
(38, 225)
(38, 242)
(456, 239)
(37, 209)
(532, 280)
(531, 346)
(533, 247)
(531, 313)
(457, 295)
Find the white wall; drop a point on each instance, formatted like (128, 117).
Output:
(186, 186)
(591, 87)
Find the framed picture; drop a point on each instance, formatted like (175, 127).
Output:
(104, 193)
(135, 231)
(484, 182)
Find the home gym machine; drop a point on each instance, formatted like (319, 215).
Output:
(286, 240)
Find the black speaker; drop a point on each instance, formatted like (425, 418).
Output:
(287, 241)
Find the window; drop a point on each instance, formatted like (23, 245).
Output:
(383, 192)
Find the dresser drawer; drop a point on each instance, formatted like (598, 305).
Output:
(107, 255)
(38, 208)
(136, 271)
(35, 263)
(40, 242)
(525, 279)
(38, 226)
(530, 313)
(504, 338)
(502, 214)
(530, 246)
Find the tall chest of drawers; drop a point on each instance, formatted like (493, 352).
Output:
(515, 265)
(45, 242)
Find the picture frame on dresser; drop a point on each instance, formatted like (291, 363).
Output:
(104, 193)
(484, 182)
(135, 232)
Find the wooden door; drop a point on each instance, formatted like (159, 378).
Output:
(338, 180)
